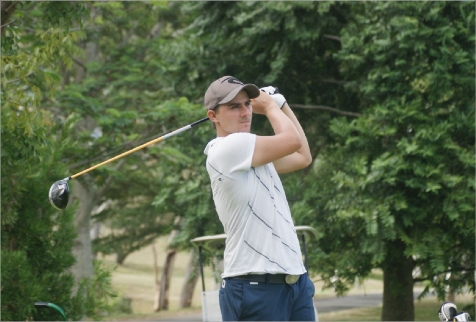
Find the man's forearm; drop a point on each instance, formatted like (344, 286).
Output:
(283, 125)
(304, 150)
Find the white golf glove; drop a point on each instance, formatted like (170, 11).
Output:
(274, 93)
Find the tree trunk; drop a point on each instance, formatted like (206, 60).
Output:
(82, 248)
(156, 275)
(91, 50)
(190, 280)
(121, 257)
(83, 190)
(95, 233)
(165, 281)
(162, 288)
(450, 296)
(7, 7)
(397, 284)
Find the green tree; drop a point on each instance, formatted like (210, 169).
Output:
(396, 186)
(36, 239)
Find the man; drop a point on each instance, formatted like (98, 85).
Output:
(264, 277)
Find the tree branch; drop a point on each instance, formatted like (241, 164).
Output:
(326, 108)
(7, 23)
(332, 81)
(78, 62)
(422, 279)
(332, 37)
(20, 78)
(11, 5)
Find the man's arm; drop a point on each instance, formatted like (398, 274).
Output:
(287, 139)
(302, 157)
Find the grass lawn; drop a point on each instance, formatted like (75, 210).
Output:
(425, 310)
(135, 281)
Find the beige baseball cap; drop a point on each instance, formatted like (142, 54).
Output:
(224, 89)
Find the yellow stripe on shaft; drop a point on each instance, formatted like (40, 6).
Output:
(118, 157)
(133, 150)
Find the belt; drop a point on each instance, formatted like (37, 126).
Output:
(268, 278)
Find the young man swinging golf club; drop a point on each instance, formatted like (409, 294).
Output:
(264, 277)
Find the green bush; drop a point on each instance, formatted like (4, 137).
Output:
(36, 238)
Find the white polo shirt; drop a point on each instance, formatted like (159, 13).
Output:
(252, 206)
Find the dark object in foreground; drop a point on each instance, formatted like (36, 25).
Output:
(40, 305)
(449, 312)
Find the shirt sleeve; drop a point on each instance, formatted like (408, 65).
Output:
(235, 153)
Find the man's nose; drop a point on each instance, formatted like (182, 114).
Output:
(244, 110)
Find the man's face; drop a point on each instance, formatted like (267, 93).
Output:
(234, 116)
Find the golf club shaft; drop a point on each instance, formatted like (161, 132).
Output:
(187, 127)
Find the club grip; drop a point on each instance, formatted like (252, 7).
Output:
(199, 121)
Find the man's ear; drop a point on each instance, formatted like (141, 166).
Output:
(212, 116)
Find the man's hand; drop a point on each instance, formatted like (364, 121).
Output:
(274, 93)
(263, 104)
(288, 148)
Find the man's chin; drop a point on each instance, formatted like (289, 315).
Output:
(246, 129)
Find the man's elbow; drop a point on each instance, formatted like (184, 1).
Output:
(306, 157)
(301, 162)
(307, 160)
(296, 144)
(303, 150)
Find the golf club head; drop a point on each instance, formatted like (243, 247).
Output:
(59, 194)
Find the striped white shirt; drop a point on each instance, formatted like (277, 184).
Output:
(252, 206)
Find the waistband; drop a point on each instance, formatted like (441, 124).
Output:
(268, 278)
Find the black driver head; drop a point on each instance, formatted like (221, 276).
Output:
(59, 194)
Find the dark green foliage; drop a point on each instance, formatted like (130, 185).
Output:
(63, 13)
(36, 238)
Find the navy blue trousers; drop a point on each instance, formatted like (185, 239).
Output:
(250, 301)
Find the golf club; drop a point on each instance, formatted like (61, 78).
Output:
(59, 191)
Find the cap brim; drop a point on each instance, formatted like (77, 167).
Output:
(252, 90)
